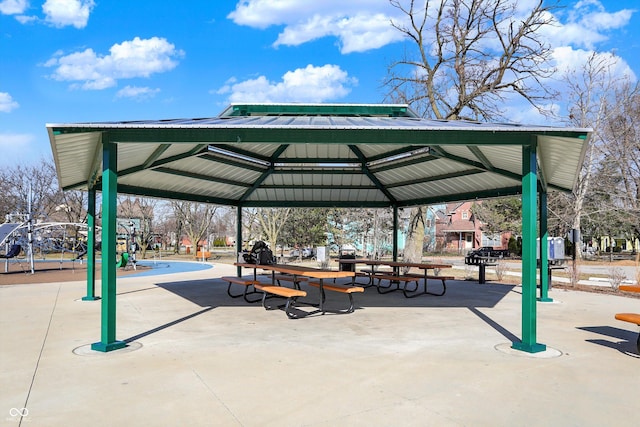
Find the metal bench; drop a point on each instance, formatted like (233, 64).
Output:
(247, 283)
(290, 294)
(631, 318)
(349, 290)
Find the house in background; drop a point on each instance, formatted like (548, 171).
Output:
(452, 227)
(619, 244)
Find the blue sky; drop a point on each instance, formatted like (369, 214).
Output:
(68, 61)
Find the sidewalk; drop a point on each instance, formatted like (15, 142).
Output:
(627, 273)
(197, 357)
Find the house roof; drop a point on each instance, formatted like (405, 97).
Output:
(349, 155)
(458, 226)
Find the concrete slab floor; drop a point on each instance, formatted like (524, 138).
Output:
(200, 358)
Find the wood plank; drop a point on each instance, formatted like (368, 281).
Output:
(629, 317)
(315, 273)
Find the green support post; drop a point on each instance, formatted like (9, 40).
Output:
(529, 214)
(91, 247)
(544, 250)
(395, 233)
(108, 340)
(239, 238)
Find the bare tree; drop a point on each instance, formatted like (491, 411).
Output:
(622, 159)
(141, 208)
(250, 226)
(38, 182)
(194, 219)
(464, 58)
(166, 225)
(594, 99)
(271, 221)
(224, 225)
(467, 55)
(415, 235)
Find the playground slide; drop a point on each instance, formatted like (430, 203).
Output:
(6, 229)
(122, 262)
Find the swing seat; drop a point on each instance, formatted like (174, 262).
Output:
(13, 251)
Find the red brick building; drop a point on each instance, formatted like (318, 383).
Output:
(457, 230)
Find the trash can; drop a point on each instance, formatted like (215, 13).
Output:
(347, 254)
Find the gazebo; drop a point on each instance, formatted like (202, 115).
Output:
(317, 155)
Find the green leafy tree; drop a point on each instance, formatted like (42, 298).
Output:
(500, 215)
(306, 227)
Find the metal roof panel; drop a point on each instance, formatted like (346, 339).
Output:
(307, 154)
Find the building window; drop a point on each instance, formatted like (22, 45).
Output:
(465, 215)
(491, 240)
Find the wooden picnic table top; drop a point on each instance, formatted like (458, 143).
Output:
(313, 272)
(422, 265)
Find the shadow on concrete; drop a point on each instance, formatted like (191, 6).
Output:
(495, 325)
(212, 293)
(166, 325)
(629, 338)
(461, 294)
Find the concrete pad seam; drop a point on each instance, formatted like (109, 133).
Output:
(215, 395)
(44, 342)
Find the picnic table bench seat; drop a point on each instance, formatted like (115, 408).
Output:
(432, 276)
(247, 283)
(631, 318)
(296, 280)
(349, 290)
(367, 274)
(407, 278)
(630, 288)
(289, 293)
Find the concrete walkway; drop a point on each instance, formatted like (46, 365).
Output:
(197, 357)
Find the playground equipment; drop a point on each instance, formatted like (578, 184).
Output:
(41, 239)
(124, 259)
(12, 252)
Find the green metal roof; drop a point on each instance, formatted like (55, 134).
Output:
(351, 155)
(360, 110)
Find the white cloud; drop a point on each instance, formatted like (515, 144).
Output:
(309, 84)
(7, 104)
(359, 33)
(138, 93)
(520, 111)
(587, 24)
(129, 59)
(360, 25)
(13, 7)
(25, 19)
(568, 59)
(61, 13)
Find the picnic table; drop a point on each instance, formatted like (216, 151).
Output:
(630, 317)
(396, 278)
(297, 272)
